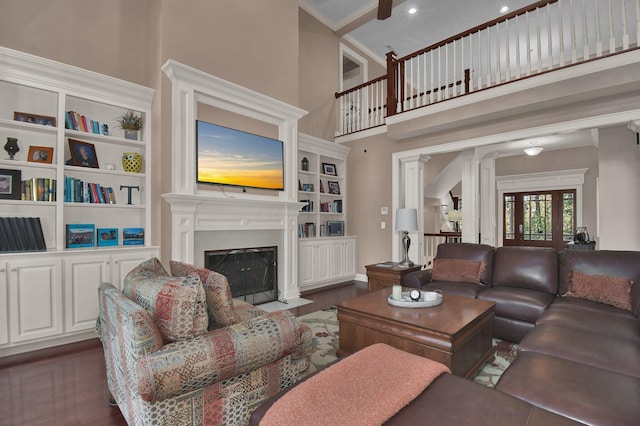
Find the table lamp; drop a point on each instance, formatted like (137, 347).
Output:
(406, 221)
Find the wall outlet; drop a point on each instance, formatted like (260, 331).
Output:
(383, 225)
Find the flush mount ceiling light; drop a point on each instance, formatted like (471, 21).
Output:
(533, 150)
(412, 10)
(504, 9)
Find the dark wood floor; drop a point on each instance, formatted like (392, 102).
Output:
(67, 386)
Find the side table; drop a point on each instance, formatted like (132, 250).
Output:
(382, 276)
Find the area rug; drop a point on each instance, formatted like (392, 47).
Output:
(325, 332)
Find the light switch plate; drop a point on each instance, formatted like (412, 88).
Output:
(383, 225)
(384, 210)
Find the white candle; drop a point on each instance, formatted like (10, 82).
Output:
(397, 292)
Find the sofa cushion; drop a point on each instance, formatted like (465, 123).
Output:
(462, 270)
(216, 290)
(583, 346)
(177, 304)
(573, 303)
(518, 303)
(614, 291)
(582, 392)
(597, 322)
(478, 252)
(534, 268)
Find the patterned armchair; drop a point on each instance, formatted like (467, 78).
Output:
(180, 351)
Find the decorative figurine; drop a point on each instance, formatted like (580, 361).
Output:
(12, 147)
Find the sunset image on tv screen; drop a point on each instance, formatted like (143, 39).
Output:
(232, 157)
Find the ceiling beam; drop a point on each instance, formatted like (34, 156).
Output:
(358, 21)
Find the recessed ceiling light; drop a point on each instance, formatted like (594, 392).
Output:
(412, 10)
(504, 9)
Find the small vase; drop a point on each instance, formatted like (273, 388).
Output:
(131, 162)
(12, 147)
(131, 134)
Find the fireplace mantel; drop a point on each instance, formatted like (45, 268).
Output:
(194, 209)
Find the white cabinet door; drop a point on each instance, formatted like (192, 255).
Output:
(82, 277)
(4, 305)
(323, 265)
(306, 264)
(349, 265)
(35, 298)
(121, 265)
(337, 259)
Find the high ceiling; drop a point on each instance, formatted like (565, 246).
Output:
(404, 33)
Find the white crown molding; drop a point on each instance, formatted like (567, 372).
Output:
(41, 72)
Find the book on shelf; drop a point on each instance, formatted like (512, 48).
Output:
(38, 189)
(21, 234)
(76, 121)
(331, 206)
(79, 191)
(307, 230)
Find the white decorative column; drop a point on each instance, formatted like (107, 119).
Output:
(408, 192)
(488, 202)
(470, 199)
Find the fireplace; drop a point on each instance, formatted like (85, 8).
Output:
(252, 272)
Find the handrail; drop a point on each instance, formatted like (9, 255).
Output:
(542, 37)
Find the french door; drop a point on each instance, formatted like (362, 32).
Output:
(540, 219)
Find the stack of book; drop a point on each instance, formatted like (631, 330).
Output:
(77, 121)
(307, 230)
(21, 234)
(79, 191)
(38, 189)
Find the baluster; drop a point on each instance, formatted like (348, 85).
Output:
(507, 49)
(538, 31)
(470, 61)
(438, 94)
(598, 33)
(479, 60)
(549, 44)
(625, 33)
(561, 34)
(431, 93)
(528, 43)
(637, 22)
(446, 72)
(585, 33)
(574, 55)
(518, 71)
(424, 100)
(498, 74)
(612, 37)
(455, 65)
(488, 57)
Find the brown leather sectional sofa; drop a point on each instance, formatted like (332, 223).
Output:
(577, 358)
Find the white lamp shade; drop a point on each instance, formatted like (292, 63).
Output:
(455, 215)
(407, 220)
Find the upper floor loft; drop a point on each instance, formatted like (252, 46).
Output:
(536, 59)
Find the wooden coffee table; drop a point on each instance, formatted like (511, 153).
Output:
(456, 333)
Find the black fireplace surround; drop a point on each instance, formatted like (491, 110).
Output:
(252, 272)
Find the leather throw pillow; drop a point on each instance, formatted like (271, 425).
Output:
(614, 291)
(463, 270)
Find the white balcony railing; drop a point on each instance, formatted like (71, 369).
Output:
(543, 37)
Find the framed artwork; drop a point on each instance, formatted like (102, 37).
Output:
(80, 235)
(132, 236)
(107, 237)
(40, 154)
(329, 169)
(335, 227)
(334, 187)
(83, 154)
(10, 181)
(27, 117)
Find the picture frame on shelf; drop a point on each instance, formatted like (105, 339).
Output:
(40, 154)
(334, 187)
(321, 188)
(132, 236)
(80, 235)
(10, 181)
(329, 169)
(307, 187)
(107, 237)
(26, 117)
(335, 228)
(83, 154)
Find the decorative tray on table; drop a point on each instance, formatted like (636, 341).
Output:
(426, 300)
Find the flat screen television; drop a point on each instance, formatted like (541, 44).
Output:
(228, 156)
